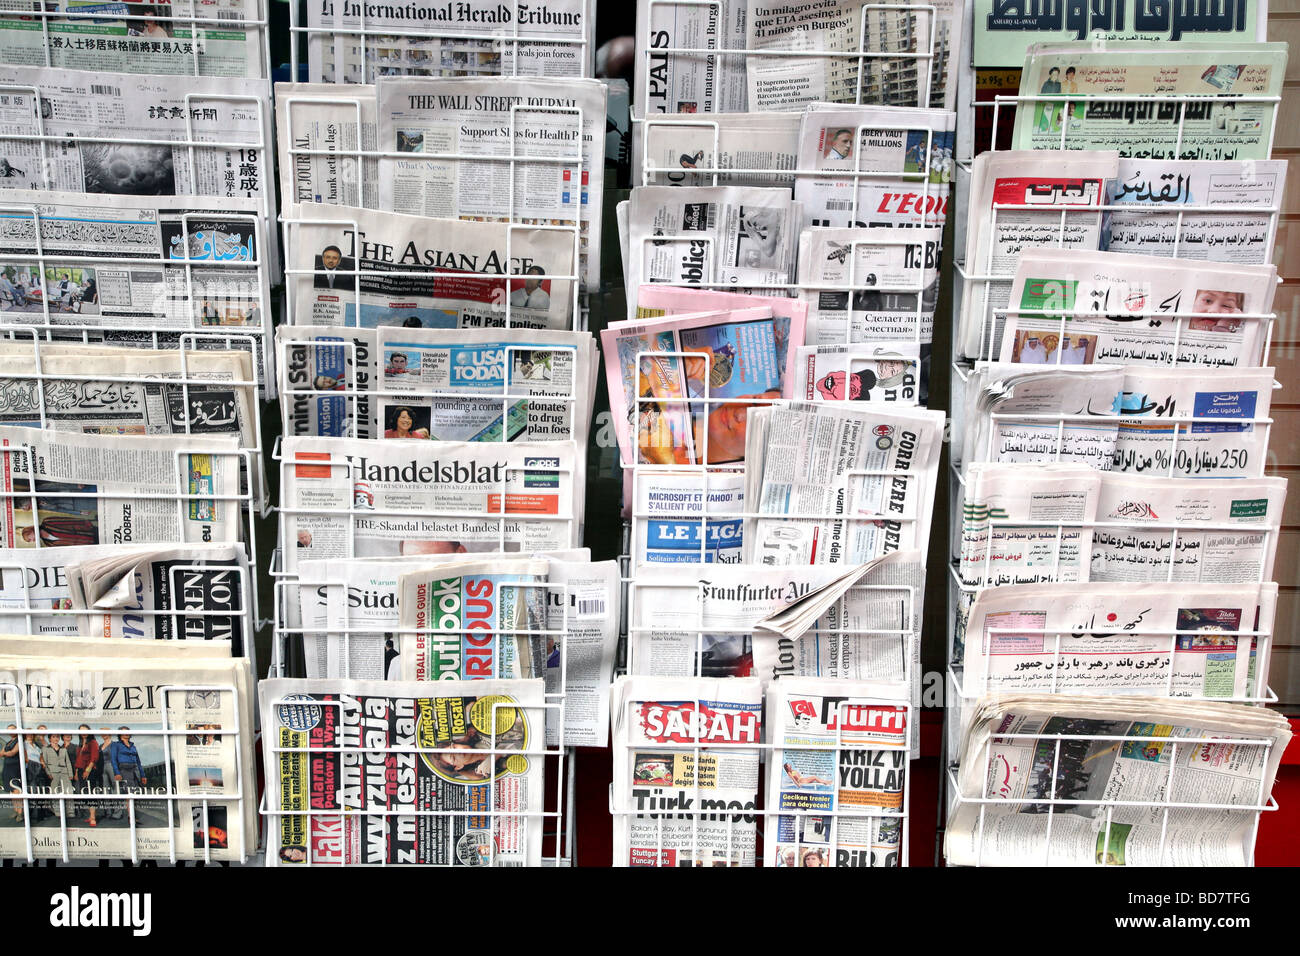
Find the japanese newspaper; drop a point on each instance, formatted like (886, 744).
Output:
(531, 151)
(1011, 757)
(177, 730)
(1211, 123)
(379, 772)
(347, 42)
(361, 267)
(137, 489)
(677, 800)
(351, 498)
(838, 771)
(218, 38)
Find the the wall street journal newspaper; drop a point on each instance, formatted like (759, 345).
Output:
(553, 129)
(1077, 308)
(153, 489)
(838, 770)
(1158, 227)
(160, 122)
(143, 39)
(1166, 128)
(358, 772)
(339, 123)
(362, 267)
(1003, 28)
(347, 42)
(350, 498)
(1172, 758)
(678, 801)
(164, 728)
(819, 461)
(679, 150)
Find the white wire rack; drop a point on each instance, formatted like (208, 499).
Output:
(146, 812)
(1058, 777)
(167, 38)
(351, 405)
(191, 283)
(680, 823)
(315, 823)
(364, 49)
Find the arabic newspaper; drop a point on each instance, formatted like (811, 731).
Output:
(533, 152)
(160, 120)
(167, 726)
(1167, 128)
(145, 484)
(345, 497)
(379, 772)
(214, 38)
(1082, 308)
(678, 148)
(361, 267)
(841, 747)
(875, 465)
(347, 40)
(1003, 28)
(1173, 758)
(1236, 234)
(685, 786)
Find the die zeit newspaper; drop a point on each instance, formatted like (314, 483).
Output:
(839, 767)
(685, 783)
(379, 772)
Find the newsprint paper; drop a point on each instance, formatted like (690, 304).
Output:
(677, 800)
(380, 772)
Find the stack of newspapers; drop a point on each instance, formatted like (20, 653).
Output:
(768, 391)
(1114, 557)
(436, 387)
(136, 255)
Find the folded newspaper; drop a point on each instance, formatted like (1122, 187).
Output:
(380, 773)
(723, 149)
(119, 489)
(1111, 768)
(685, 787)
(170, 744)
(839, 795)
(345, 497)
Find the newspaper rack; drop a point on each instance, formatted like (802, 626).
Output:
(833, 818)
(1052, 805)
(49, 321)
(363, 38)
(113, 803)
(192, 29)
(362, 157)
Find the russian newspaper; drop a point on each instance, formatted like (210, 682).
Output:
(361, 267)
(1158, 226)
(354, 42)
(809, 464)
(686, 150)
(165, 126)
(837, 798)
(1077, 308)
(379, 772)
(177, 730)
(1022, 748)
(353, 498)
(720, 236)
(858, 373)
(1004, 27)
(323, 133)
(532, 151)
(216, 38)
(1065, 190)
(685, 782)
(137, 489)
(1209, 123)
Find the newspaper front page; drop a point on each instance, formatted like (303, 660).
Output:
(839, 768)
(371, 772)
(553, 129)
(687, 518)
(332, 126)
(680, 148)
(677, 800)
